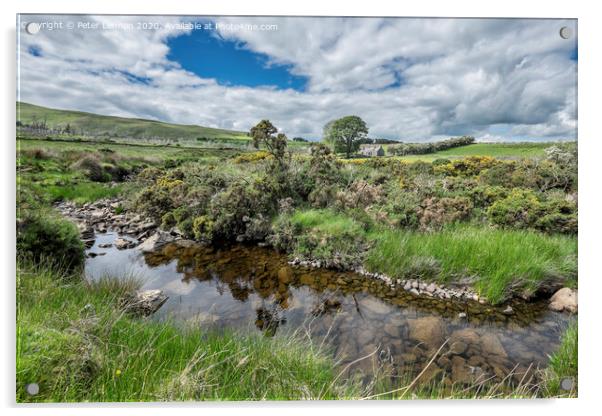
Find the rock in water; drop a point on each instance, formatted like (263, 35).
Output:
(491, 344)
(160, 238)
(122, 243)
(429, 330)
(466, 335)
(146, 302)
(564, 300)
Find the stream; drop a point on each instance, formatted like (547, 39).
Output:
(246, 288)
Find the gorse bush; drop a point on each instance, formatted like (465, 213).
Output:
(436, 212)
(252, 157)
(468, 166)
(520, 209)
(523, 208)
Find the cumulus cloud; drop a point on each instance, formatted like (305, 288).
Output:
(411, 79)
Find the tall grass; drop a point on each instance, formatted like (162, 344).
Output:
(496, 259)
(73, 340)
(563, 365)
(83, 192)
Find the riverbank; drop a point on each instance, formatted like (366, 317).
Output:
(74, 341)
(461, 263)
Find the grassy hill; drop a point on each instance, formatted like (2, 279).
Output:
(96, 125)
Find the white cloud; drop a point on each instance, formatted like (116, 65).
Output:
(412, 79)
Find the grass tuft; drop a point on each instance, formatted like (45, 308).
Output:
(497, 260)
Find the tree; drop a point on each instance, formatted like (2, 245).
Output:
(264, 133)
(346, 133)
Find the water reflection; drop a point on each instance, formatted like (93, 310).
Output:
(241, 287)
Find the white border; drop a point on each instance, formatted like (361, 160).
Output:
(589, 186)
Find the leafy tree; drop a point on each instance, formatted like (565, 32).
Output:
(346, 133)
(264, 133)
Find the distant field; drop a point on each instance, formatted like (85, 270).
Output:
(501, 150)
(119, 127)
(127, 150)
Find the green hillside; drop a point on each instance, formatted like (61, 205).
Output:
(96, 125)
(500, 150)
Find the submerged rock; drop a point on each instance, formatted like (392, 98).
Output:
(491, 344)
(564, 300)
(429, 330)
(145, 303)
(466, 335)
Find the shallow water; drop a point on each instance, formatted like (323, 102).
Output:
(250, 287)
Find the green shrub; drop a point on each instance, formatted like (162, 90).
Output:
(154, 202)
(500, 175)
(520, 209)
(559, 214)
(524, 209)
(233, 210)
(441, 161)
(483, 195)
(202, 228)
(48, 239)
(92, 169)
(181, 218)
(402, 208)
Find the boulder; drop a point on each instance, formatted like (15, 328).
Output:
(122, 243)
(392, 330)
(564, 300)
(374, 306)
(429, 330)
(156, 241)
(457, 347)
(466, 335)
(491, 344)
(145, 303)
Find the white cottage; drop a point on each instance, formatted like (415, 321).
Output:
(372, 150)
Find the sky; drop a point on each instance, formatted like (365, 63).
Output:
(410, 79)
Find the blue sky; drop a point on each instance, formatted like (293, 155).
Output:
(410, 79)
(208, 55)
